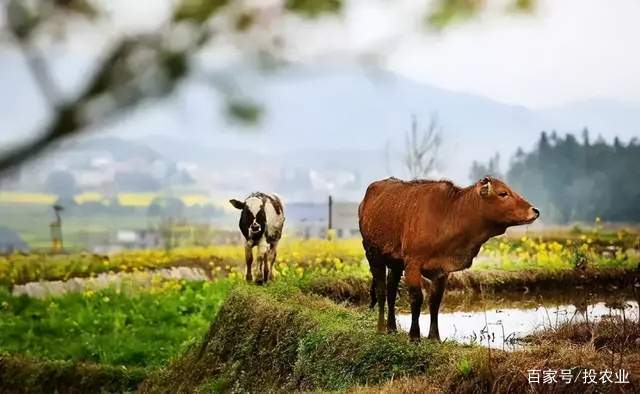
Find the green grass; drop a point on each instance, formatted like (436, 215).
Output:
(20, 374)
(139, 328)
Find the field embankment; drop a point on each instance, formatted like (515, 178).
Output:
(279, 339)
(510, 284)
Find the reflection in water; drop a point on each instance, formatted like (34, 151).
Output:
(502, 328)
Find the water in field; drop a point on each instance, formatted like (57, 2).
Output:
(503, 328)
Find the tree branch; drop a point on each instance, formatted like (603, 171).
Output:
(65, 121)
(40, 72)
(113, 78)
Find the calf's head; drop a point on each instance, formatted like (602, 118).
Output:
(502, 206)
(253, 219)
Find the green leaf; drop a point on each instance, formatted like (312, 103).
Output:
(448, 11)
(197, 10)
(244, 111)
(523, 5)
(82, 7)
(314, 8)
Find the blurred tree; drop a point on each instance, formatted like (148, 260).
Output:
(492, 168)
(61, 183)
(573, 181)
(151, 64)
(135, 182)
(167, 207)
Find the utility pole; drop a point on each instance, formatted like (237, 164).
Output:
(330, 221)
(56, 230)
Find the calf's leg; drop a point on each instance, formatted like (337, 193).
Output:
(273, 253)
(395, 272)
(437, 291)
(263, 270)
(248, 256)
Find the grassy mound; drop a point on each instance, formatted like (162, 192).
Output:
(278, 339)
(541, 280)
(504, 372)
(613, 333)
(23, 375)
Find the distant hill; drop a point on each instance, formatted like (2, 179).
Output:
(321, 124)
(120, 149)
(344, 119)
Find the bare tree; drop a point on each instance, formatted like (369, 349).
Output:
(421, 148)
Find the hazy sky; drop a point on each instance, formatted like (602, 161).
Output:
(568, 50)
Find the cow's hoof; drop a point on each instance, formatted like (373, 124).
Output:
(415, 340)
(249, 279)
(434, 338)
(259, 282)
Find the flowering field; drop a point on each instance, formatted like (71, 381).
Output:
(593, 249)
(220, 261)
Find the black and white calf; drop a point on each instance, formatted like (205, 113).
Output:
(261, 223)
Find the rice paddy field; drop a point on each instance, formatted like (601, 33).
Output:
(115, 323)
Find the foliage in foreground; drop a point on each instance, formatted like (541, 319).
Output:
(132, 328)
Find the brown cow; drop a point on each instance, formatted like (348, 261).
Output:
(430, 228)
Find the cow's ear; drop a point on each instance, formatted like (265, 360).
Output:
(485, 189)
(237, 204)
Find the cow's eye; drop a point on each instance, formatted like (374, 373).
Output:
(503, 194)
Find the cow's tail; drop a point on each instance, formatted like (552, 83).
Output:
(372, 293)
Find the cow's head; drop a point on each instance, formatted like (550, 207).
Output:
(253, 219)
(503, 206)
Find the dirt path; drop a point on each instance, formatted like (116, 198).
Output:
(57, 288)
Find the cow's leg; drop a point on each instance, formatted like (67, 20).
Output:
(395, 272)
(413, 280)
(378, 282)
(263, 273)
(437, 291)
(379, 272)
(372, 293)
(248, 256)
